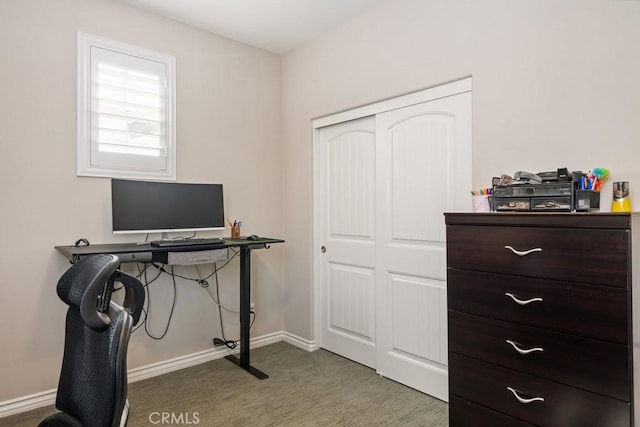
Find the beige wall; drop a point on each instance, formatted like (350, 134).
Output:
(555, 83)
(228, 131)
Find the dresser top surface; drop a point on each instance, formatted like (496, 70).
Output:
(556, 219)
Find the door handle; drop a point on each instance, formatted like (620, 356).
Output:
(323, 249)
(522, 350)
(523, 302)
(523, 253)
(524, 399)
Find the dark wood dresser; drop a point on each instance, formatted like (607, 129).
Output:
(540, 319)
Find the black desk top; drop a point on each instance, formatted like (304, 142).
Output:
(120, 248)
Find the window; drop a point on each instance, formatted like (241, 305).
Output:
(126, 114)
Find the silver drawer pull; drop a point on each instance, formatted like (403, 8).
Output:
(522, 399)
(523, 253)
(523, 351)
(523, 302)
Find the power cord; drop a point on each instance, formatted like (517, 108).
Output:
(143, 272)
(231, 344)
(202, 281)
(173, 306)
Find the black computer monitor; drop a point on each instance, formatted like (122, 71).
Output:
(161, 207)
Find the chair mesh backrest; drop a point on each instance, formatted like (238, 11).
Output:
(92, 385)
(93, 368)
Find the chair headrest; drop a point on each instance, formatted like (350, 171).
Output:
(82, 285)
(134, 294)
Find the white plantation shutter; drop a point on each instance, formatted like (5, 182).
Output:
(126, 129)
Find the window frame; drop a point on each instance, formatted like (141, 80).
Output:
(84, 167)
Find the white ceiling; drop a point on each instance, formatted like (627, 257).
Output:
(274, 25)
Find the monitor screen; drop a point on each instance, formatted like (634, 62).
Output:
(149, 207)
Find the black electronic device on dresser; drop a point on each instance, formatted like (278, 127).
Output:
(540, 319)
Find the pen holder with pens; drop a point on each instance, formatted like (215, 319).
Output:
(586, 195)
(235, 228)
(482, 200)
(587, 200)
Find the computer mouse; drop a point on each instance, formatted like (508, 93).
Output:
(253, 237)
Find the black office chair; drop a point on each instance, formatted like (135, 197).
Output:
(92, 391)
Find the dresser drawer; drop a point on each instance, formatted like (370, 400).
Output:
(580, 255)
(581, 309)
(463, 413)
(593, 365)
(550, 403)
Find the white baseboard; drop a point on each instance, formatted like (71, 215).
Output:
(301, 343)
(48, 397)
(27, 403)
(175, 364)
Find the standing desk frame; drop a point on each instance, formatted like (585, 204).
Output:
(130, 251)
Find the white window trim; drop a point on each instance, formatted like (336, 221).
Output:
(84, 167)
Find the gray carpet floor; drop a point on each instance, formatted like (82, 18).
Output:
(303, 389)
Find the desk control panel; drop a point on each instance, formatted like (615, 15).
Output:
(135, 256)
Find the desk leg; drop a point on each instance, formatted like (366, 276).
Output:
(245, 315)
